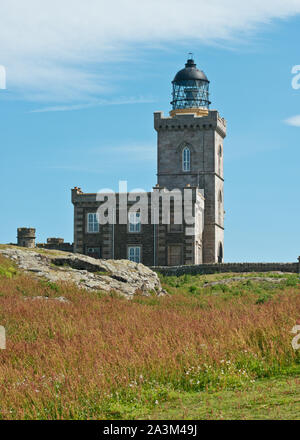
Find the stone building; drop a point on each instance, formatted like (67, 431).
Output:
(26, 237)
(189, 156)
(57, 244)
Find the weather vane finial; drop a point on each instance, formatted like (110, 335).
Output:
(191, 55)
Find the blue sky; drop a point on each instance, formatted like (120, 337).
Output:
(82, 86)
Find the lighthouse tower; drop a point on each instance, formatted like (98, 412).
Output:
(190, 150)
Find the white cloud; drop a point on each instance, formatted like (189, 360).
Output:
(94, 103)
(134, 152)
(294, 121)
(137, 152)
(52, 49)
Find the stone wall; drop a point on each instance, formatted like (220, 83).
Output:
(64, 247)
(203, 269)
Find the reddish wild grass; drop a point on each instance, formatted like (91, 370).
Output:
(66, 360)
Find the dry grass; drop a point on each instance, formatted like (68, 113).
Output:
(102, 356)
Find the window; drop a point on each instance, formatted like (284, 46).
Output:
(134, 253)
(186, 159)
(220, 208)
(94, 252)
(92, 223)
(220, 253)
(220, 160)
(134, 222)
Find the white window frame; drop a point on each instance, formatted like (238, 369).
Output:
(134, 253)
(134, 222)
(186, 159)
(93, 226)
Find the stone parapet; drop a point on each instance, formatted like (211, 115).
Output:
(205, 269)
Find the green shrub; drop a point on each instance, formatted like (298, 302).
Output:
(262, 299)
(7, 272)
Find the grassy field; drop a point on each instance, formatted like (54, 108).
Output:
(203, 351)
(268, 399)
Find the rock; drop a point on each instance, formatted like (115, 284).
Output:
(122, 276)
(59, 298)
(245, 279)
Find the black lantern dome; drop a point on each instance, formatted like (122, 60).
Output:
(190, 88)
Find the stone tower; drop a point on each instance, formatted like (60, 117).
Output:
(190, 152)
(26, 237)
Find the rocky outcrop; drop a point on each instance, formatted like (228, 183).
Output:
(245, 279)
(121, 276)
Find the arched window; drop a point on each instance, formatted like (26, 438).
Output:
(220, 160)
(220, 197)
(220, 208)
(220, 253)
(186, 159)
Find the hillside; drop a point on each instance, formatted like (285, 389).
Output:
(217, 346)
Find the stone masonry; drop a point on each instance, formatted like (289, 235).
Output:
(154, 240)
(189, 155)
(26, 237)
(204, 135)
